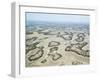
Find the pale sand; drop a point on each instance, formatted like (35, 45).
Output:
(67, 58)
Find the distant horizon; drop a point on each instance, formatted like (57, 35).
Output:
(58, 22)
(57, 18)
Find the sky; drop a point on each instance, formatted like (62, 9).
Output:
(57, 17)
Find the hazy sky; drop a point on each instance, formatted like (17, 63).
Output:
(57, 18)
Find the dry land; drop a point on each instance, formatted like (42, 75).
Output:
(56, 47)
